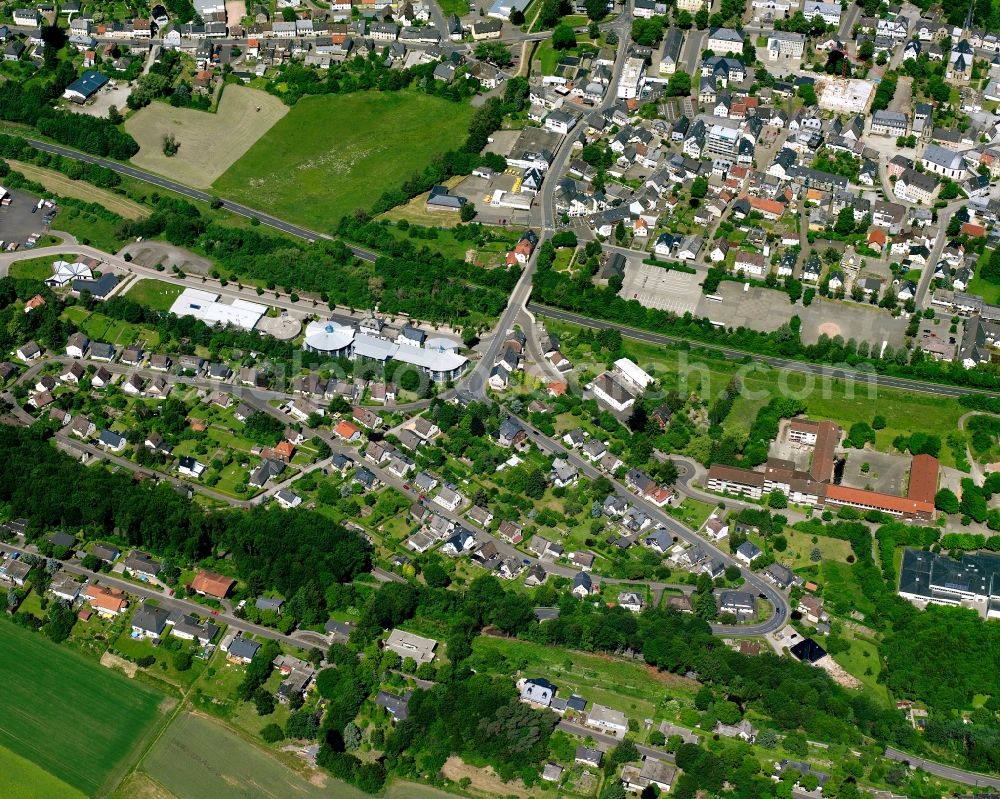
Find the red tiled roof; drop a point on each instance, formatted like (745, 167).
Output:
(212, 584)
(345, 429)
(923, 478)
(874, 499)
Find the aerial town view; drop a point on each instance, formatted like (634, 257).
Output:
(500, 398)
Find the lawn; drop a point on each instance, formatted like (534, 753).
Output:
(209, 142)
(632, 688)
(459, 7)
(800, 545)
(37, 268)
(197, 757)
(78, 721)
(333, 154)
(24, 780)
(155, 293)
(990, 292)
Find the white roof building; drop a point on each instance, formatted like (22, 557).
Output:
(632, 372)
(64, 272)
(209, 308)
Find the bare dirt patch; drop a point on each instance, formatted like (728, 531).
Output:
(114, 662)
(838, 673)
(483, 779)
(209, 143)
(60, 184)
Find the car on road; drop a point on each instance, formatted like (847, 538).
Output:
(215, 613)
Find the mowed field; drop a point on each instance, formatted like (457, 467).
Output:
(66, 714)
(156, 294)
(198, 757)
(63, 186)
(209, 143)
(333, 154)
(22, 779)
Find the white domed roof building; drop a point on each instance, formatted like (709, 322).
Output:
(329, 338)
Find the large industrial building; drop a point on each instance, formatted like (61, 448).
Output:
(973, 581)
(209, 308)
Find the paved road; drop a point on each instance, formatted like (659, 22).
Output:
(194, 194)
(941, 770)
(676, 528)
(170, 603)
(609, 741)
(778, 363)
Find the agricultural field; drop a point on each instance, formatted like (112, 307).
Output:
(62, 186)
(157, 294)
(24, 780)
(333, 154)
(98, 722)
(196, 757)
(209, 142)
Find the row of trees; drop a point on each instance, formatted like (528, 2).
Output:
(579, 294)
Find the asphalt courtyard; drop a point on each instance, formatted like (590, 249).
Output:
(767, 309)
(656, 287)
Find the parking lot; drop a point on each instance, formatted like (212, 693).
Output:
(656, 287)
(767, 309)
(98, 106)
(16, 220)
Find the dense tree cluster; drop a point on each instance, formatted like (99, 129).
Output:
(287, 551)
(29, 104)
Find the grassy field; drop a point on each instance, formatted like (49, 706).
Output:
(459, 7)
(196, 757)
(333, 154)
(830, 399)
(155, 293)
(990, 292)
(22, 779)
(800, 545)
(209, 143)
(89, 228)
(112, 331)
(416, 210)
(37, 268)
(65, 187)
(79, 722)
(632, 688)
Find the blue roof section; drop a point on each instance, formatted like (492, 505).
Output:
(88, 83)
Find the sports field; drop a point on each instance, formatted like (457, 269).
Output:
(333, 154)
(63, 186)
(209, 143)
(79, 722)
(198, 757)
